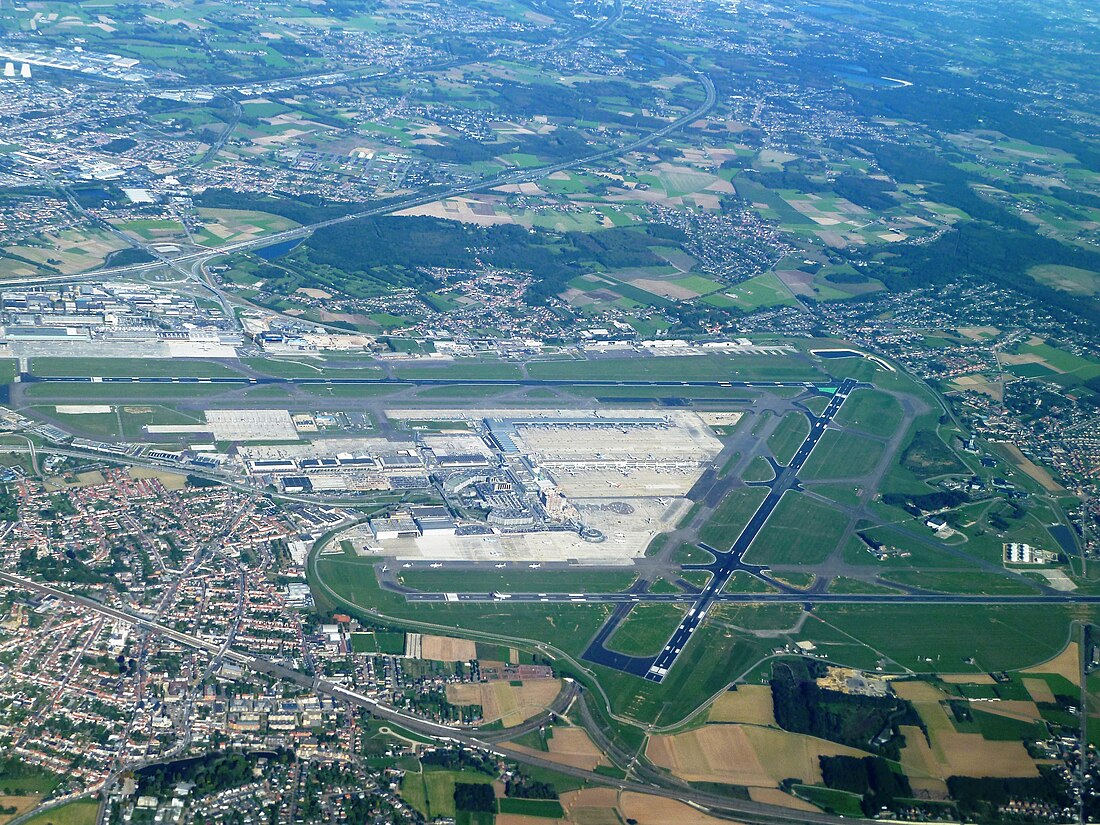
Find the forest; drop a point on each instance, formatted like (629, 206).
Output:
(866, 722)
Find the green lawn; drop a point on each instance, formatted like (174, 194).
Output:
(646, 629)
(129, 368)
(518, 581)
(567, 626)
(1007, 637)
(762, 291)
(788, 436)
(122, 393)
(467, 370)
(758, 470)
(800, 531)
(671, 368)
(283, 368)
(876, 413)
(729, 519)
(390, 642)
(842, 454)
(969, 581)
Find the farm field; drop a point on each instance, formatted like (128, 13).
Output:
(432, 791)
(506, 703)
(747, 755)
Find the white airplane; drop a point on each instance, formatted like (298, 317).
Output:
(499, 566)
(535, 566)
(406, 565)
(385, 568)
(436, 564)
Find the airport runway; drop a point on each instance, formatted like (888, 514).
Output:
(790, 597)
(655, 668)
(25, 378)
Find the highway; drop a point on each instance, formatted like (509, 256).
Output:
(750, 813)
(511, 177)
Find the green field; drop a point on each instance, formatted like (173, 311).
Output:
(390, 642)
(800, 531)
(876, 413)
(672, 368)
(465, 370)
(762, 291)
(129, 368)
(1002, 728)
(80, 812)
(997, 637)
(432, 792)
(95, 425)
(1081, 369)
(841, 803)
(788, 436)
(517, 581)
(18, 779)
(121, 393)
(567, 626)
(548, 808)
(646, 628)
(842, 454)
(729, 519)
(758, 470)
(286, 368)
(716, 656)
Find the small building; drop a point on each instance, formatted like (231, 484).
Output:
(1019, 553)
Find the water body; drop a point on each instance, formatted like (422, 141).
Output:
(277, 250)
(836, 353)
(1064, 536)
(866, 79)
(861, 74)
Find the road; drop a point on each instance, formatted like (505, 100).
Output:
(751, 813)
